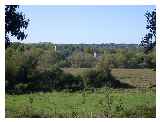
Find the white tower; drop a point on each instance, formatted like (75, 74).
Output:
(55, 48)
(95, 54)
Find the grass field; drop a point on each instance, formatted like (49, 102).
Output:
(135, 77)
(137, 102)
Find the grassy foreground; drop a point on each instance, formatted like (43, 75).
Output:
(136, 102)
(102, 103)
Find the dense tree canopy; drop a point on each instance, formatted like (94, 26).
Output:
(15, 24)
(149, 40)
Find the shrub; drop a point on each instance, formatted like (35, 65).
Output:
(97, 79)
(68, 81)
(21, 88)
(101, 76)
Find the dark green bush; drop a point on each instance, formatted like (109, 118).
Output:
(21, 88)
(68, 81)
(97, 79)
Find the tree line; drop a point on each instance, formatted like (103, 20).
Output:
(38, 67)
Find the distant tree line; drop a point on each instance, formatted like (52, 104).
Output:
(82, 56)
(38, 67)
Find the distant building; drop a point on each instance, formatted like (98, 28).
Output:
(55, 48)
(95, 54)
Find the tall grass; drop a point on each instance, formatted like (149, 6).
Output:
(102, 103)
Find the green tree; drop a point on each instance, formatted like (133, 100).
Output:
(105, 63)
(15, 24)
(82, 60)
(121, 58)
(150, 59)
(48, 59)
(88, 60)
(88, 50)
(13, 62)
(149, 40)
(101, 76)
(76, 59)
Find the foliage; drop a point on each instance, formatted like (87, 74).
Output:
(150, 59)
(81, 60)
(122, 103)
(139, 78)
(149, 40)
(36, 67)
(101, 76)
(15, 24)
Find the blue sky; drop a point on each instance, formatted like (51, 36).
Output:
(86, 24)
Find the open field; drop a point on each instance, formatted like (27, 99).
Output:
(137, 102)
(135, 77)
(119, 103)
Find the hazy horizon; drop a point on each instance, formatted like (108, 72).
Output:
(67, 43)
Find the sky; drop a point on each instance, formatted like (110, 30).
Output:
(85, 24)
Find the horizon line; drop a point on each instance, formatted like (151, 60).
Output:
(69, 43)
